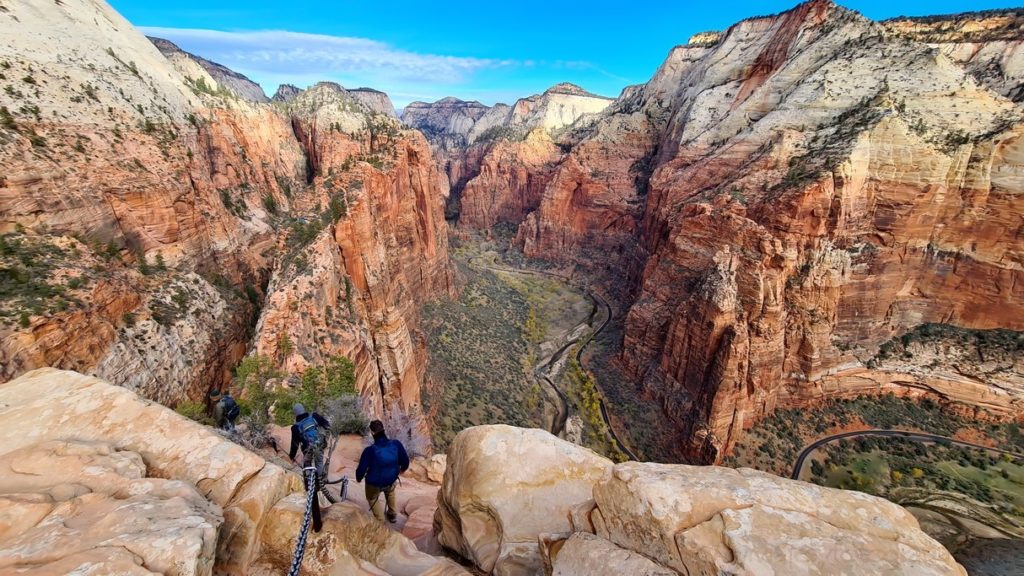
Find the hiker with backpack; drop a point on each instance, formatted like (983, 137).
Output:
(226, 411)
(310, 433)
(381, 463)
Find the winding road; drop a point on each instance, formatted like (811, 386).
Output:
(911, 435)
(543, 370)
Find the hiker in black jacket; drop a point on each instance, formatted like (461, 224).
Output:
(310, 432)
(380, 464)
(306, 434)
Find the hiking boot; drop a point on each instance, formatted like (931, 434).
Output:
(391, 516)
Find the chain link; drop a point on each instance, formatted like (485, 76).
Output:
(300, 544)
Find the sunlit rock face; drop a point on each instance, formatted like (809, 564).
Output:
(987, 44)
(571, 511)
(154, 202)
(499, 159)
(786, 195)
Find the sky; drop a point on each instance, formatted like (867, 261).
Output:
(485, 50)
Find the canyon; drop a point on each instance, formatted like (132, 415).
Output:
(777, 202)
(806, 207)
(763, 222)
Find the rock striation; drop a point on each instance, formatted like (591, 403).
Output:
(142, 490)
(645, 518)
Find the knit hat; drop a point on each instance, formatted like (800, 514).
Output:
(298, 409)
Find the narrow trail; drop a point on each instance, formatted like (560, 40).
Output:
(919, 436)
(543, 369)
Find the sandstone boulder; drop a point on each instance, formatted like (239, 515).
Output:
(429, 469)
(585, 553)
(504, 486)
(524, 502)
(710, 520)
(87, 508)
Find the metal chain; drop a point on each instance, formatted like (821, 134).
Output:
(300, 544)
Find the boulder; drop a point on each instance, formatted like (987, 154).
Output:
(88, 508)
(709, 520)
(584, 553)
(524, 502)
(504, 486)
(428, 469)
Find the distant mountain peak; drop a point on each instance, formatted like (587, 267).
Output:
(572, 90)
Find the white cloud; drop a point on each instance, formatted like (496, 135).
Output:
(279, 53)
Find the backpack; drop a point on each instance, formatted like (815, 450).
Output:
(231, 408)
(310, 431)
(386, 458)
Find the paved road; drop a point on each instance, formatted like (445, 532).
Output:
(911, 435)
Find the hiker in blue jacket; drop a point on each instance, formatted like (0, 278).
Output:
(380, 464)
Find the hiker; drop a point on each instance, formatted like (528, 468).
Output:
(307, 434)
(226, 411)
(380, 464)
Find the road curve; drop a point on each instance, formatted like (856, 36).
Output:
(919, 436)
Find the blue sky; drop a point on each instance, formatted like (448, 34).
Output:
(483, 50)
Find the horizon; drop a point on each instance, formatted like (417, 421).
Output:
(437, 54)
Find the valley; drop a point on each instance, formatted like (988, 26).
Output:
(765, 306)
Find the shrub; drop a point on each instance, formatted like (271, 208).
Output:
(195, 411)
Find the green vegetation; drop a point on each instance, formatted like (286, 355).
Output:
(329, 389)
(773, 444)
(477, 347)
(29, 281)
(586, 399)
(986, 343)
(195, 411)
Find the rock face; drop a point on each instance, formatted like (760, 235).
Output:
(286, 93)
(782, 198)
(356, 289)
(640, 518)
(226, 78)
(499, 159)
(988, 44)
(142, 490)
(375, 100)
(147, 210)
(504, 486)
(100, 513)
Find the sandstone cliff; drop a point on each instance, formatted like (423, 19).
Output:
(783, 198)
(146, 207)
(226, 78)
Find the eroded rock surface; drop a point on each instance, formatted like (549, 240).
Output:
(102, 470)
(498, 507)
(503, 486)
